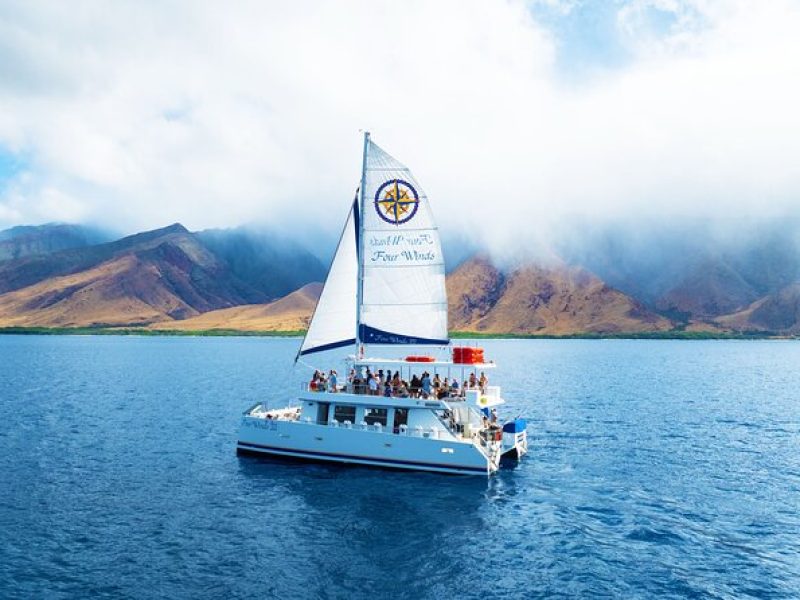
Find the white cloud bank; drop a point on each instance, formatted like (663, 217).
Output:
(136, 115)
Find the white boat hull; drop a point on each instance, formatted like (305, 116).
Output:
(310, 441)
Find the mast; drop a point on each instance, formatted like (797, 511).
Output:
(360, 233)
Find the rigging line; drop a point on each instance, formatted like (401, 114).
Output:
(305, 364)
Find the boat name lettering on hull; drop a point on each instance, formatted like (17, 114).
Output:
(267, 424)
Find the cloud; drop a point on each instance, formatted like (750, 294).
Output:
(135, 116)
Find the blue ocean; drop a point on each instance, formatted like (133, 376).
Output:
(665, 469)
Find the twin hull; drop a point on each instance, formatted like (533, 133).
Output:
(310, 441)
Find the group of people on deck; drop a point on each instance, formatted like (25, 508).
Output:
(324, 383)
(391, 385)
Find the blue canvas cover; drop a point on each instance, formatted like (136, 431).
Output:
(515, 426)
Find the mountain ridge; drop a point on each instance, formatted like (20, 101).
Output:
(554, 299)
(151, 276)
(174, 279)
(33, 240)
(289, 313)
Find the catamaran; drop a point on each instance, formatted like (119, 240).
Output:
(386, 289)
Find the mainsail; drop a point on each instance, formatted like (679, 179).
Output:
(386, 284)
(403, 296)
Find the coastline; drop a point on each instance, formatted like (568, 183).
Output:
(660, 335)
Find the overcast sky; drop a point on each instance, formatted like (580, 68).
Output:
(135, 115)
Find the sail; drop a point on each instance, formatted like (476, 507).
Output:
(403, 297)
(334, 322)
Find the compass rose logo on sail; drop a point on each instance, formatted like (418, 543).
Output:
(396, 201)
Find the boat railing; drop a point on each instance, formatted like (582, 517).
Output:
(361, 389)
(490, 436)
(253, 408)
(349, 388)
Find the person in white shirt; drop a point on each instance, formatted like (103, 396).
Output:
(373, 385)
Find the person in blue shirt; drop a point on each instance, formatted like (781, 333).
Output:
(332, 382)
(426, 384)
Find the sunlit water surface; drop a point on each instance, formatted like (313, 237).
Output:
(657, 468)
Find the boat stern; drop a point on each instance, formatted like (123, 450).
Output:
(515, 438)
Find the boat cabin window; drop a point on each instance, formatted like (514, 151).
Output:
(400, 418)
(322, 413)
(376, 415)
(344, 412)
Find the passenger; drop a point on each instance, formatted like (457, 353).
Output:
(332, 382)
(483, 382)
(494, 416)
(454, 391)
(464, 388)
(373, 385)
(473, 381)
(425, 384)
(396, 379)
(402, 391)
(381, 379)
(414, 387)
(320, 381)
(387, 389)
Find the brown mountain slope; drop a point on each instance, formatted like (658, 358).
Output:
(473, 289)
(120, 292)
(29, 270)
(150, 277)
(559, 300)
(711, 289)
(290, 313)
(548, 300)
(775, 313)
(169, 280)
